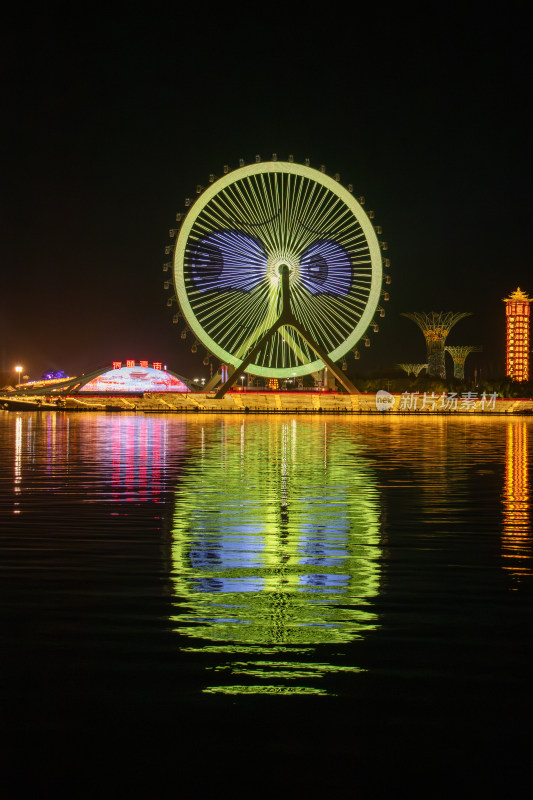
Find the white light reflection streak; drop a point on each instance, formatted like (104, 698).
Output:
(18, 462)
(293, 448)
(223, 443)
(284, 470)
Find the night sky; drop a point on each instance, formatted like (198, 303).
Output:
(112, 119)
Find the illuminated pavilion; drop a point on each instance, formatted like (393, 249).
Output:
(118, 377)
(517, 349)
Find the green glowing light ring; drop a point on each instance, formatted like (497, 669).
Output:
(371, 241)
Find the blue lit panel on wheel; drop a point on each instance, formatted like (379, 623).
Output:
(325, 268)
(228, 260)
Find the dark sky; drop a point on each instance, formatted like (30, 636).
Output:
(111, 120)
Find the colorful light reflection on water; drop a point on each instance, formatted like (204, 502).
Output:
(516, 516)
(275, 543)
(275, 549)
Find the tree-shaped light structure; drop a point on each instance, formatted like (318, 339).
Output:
(459, 354)
(436, 326)
(413, 369)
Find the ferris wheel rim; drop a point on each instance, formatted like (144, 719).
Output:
(337, 189)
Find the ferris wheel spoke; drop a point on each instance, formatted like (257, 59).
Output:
(244, 208)
(258, 329)
(236, 336)
(253, 195)
(334, 332)
(322, 218)
(219, 317)
(293, 205)
(291, 342)
(268, 200)
(308, 219)
(318, 331)
(250, 211)
(312, 315)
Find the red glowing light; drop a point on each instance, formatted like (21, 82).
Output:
(517, 352)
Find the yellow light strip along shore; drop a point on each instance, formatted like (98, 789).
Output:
(271, 402)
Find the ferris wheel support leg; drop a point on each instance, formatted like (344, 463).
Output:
(333, 368)
(286, 318)
(214, 381)
(248, 360)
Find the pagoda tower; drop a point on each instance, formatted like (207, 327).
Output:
(517, 350)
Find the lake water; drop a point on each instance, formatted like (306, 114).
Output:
(311, 596)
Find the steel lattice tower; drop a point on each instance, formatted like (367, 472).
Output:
(517, 352)
(459, 354)
(436, 326)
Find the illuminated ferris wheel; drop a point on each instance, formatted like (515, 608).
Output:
(278, 270)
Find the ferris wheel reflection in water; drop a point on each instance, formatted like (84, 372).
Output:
(275, 552)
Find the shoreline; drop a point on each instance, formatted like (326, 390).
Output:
(274, 403)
